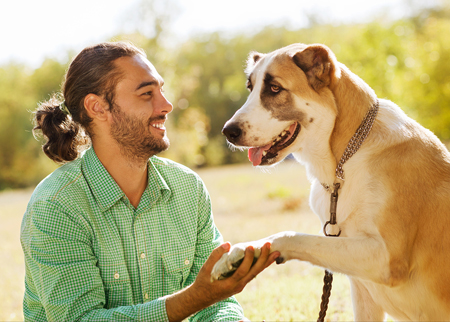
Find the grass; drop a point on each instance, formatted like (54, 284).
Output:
(12, 207)
(248, 204)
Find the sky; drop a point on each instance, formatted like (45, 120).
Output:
(31, 30)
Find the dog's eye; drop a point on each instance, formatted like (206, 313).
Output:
(249, 86)
(275, 88)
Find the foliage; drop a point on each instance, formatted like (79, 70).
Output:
(405, 61)
(21, 162)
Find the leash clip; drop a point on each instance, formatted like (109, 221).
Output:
(333, 207)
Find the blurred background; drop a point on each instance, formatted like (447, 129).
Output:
(401, 48)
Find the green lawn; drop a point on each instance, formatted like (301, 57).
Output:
(248, 204)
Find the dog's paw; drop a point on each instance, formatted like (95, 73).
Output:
(228, 263)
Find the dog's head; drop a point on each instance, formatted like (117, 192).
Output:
(290, 107)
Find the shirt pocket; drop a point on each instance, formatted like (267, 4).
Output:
(117, 285)
(176, 269)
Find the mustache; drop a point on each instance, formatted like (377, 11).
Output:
(157, 118)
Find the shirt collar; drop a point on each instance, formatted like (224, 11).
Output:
(107, 192)
(156, 181)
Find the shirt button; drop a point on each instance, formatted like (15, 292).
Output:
(146, 296)
(116, 276)
(142, 255)
(186, 262)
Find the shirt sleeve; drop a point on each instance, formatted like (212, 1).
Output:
(63, 282)
(209, 238)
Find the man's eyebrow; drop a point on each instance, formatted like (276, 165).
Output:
(151, 83)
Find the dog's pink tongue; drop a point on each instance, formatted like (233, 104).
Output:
(255, 154)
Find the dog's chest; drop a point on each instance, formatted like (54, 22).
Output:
(320, 200)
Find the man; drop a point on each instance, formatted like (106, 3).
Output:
(118, 233)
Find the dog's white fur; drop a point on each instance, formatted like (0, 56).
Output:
(394, 205)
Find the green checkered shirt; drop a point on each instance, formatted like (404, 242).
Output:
(90, 255)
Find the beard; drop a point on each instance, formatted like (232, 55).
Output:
(133, 135)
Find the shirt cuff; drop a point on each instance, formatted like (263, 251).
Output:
(153, 311)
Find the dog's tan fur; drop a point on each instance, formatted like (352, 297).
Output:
(394, 205)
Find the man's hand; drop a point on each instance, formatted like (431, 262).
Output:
(204, 292)
(241, 277)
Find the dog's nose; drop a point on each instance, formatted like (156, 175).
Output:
(232, 132)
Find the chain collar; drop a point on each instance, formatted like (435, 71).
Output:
(356, 141)
(358, 138)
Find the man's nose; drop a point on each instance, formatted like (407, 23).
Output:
(163, 104)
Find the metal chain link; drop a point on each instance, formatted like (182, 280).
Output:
(357, 139)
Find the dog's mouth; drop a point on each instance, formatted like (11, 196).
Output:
(264, 155)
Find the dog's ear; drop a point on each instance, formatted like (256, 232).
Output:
(252, 59)
(318, 63)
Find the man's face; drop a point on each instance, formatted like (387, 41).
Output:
(140, 109)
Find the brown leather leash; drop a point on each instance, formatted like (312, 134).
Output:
(328, 277)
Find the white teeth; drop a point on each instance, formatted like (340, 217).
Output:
(281, 135)
(264, 153)
(158, 125)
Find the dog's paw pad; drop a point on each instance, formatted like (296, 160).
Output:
(279, 260)
(236, 264)
(227, 274)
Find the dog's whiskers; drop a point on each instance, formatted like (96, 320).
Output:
(235, 148)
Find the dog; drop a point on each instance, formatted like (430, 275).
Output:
(393, 188)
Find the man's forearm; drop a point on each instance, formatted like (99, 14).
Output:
(186, 302)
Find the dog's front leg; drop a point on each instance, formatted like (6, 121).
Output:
(364, 306)
(364, 257)
(230, 261)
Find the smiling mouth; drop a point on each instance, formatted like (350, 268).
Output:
(158, 122)
(159, 126)
(263, 155)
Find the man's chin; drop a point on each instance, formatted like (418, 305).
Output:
(165, 144)
(155, 148)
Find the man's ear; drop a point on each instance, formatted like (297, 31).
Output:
(319, 64)
(96, 107)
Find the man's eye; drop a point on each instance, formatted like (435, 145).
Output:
(275, 88)
(148, 93)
